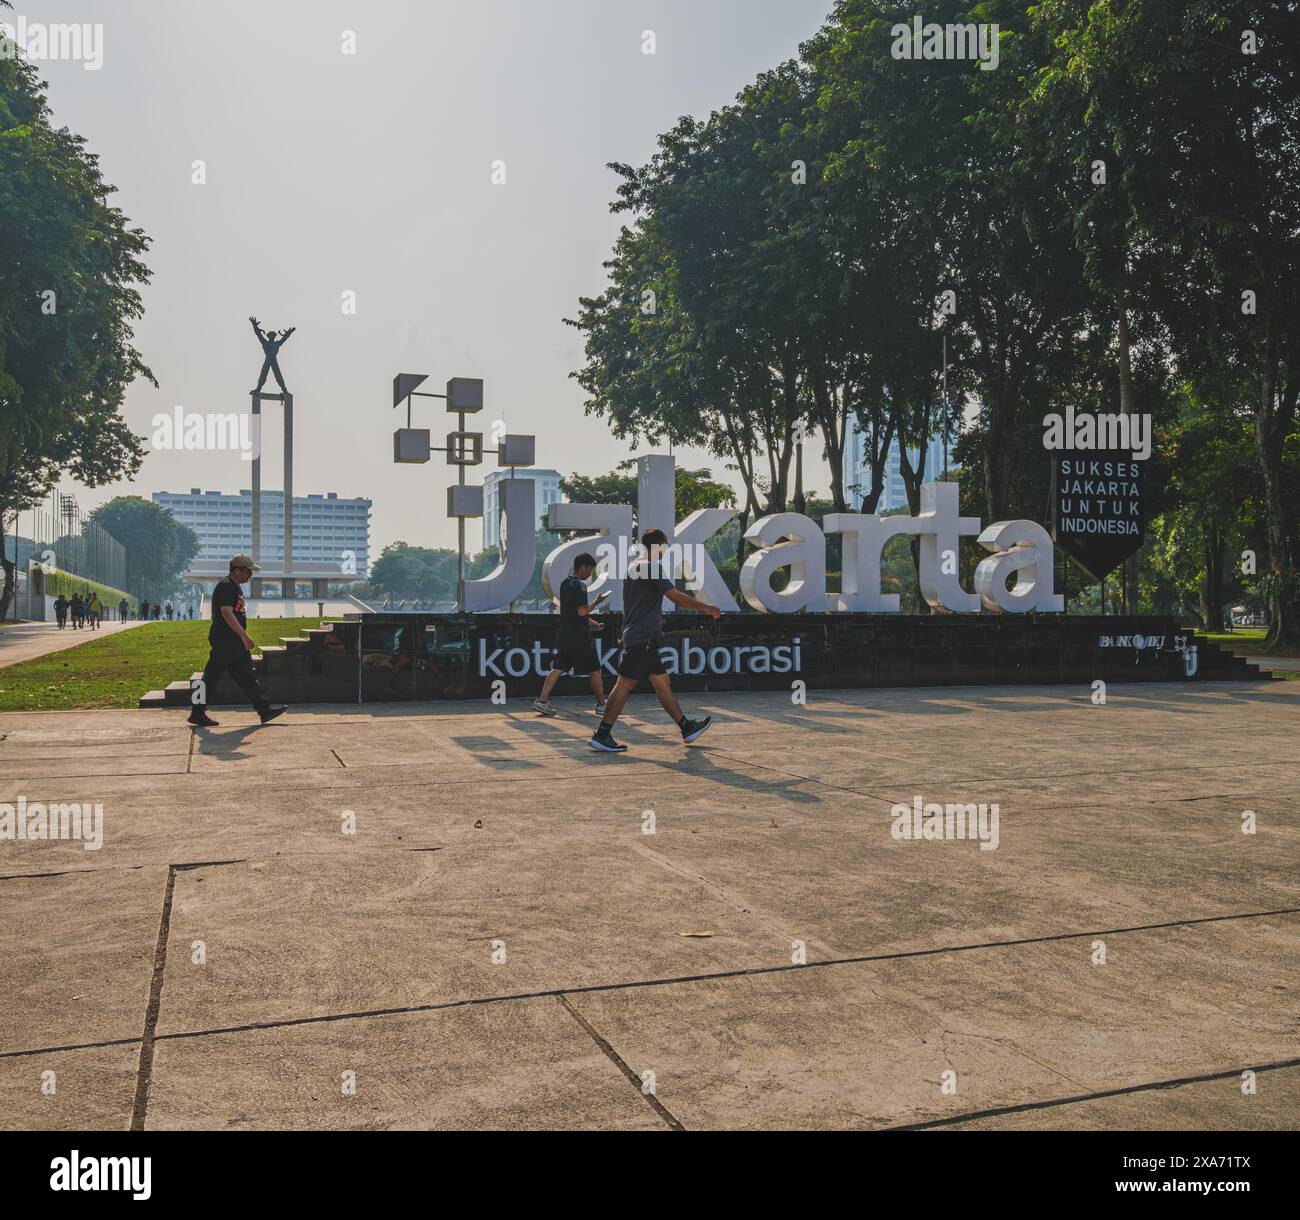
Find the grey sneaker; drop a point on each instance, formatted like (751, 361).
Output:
(546, 709)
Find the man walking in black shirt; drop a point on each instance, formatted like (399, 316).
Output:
(643, 592)
(576, 650)
(231, 645)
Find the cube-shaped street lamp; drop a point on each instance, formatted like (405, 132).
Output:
(517, 451)
(411, 445)
(465, 394)
(464, 448)
(464, 501)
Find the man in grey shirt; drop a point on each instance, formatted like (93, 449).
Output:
(644, 589)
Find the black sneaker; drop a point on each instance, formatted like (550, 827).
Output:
(272, 711)
(201, 720)
(694, 728)
(603, 739)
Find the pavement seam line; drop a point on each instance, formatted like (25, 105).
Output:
(619, 1062)
(736, 904)
(189, 757)
(144, 1074)
(475, 1001)
(1125, 1090)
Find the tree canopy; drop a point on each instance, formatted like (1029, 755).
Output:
(1108, 220)
(70, 264)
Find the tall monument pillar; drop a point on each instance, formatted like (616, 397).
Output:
(287, 588)
(255, 549)
(272, 342)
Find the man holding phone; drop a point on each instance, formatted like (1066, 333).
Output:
(576, 650)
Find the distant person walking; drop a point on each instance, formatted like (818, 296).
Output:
(144, 610)
(644, 589)
(77, 609)
(169, 612)
(157, 612)
(231, 644)
(61, 611)
(94, 611)
(576, 651)
(123, 610)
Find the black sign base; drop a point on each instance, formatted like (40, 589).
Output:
(384, 658)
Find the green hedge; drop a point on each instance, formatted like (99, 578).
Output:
(67, 583)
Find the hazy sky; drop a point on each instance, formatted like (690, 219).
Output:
(371, 173)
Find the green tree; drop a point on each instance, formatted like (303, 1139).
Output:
(69, 266)
(417, 572)
(1203, 108)
(158, 547)
(693, 489)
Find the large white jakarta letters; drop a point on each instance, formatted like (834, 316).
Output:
(614, 521)
(1019, 549)
(1024, 550)
(656, 507)
(518, 550)
(786, 540)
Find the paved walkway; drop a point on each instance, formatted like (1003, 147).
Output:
(23, 641)
(451, 916)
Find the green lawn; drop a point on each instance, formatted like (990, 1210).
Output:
(115, 670)
(1249, 641)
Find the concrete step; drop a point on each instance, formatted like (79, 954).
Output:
(153, 699)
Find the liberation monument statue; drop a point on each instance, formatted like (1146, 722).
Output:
(271, 345)
(272, 341)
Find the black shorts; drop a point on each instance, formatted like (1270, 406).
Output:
(641, 660)
(582, 659)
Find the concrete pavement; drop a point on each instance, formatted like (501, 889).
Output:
(442, 916)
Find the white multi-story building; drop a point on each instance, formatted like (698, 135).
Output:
(857, 468)
(545, 494)
(326, 529)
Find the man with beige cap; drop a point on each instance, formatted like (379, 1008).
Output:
(231, 645)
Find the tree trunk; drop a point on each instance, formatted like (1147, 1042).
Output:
(997, 469)
(912, 480)
(1214, 564)
(1127, 406)
(10, 590)
(830, 421)
(1273, 422)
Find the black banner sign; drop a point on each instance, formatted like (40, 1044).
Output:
(1097, 516)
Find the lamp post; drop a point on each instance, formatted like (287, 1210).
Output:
(464, 396)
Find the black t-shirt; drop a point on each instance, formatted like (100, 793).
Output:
(643, 594)
(226, 593)
(574, 631)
